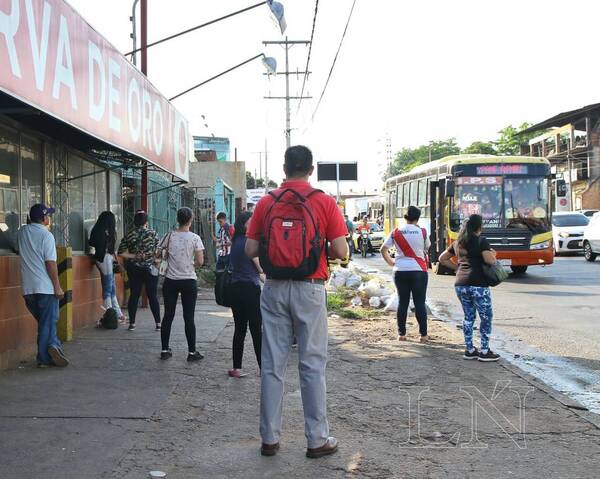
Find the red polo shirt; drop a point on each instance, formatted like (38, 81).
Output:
(330, 221)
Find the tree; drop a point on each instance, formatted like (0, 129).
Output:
(408, 158)
(510, 140)
(480, 148)
(252, 182)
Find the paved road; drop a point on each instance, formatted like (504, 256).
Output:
(549, 319)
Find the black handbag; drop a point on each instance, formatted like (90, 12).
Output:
(494, 273)
(223, 287)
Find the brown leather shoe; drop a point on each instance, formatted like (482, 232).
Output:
(330, 447)
(269, 449)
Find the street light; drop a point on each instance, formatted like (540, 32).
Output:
(277, 12)
(276, 9)
(269, 63)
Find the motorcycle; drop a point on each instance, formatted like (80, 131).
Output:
(364, 243)
(350, 245)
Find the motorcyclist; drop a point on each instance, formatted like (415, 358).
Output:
(350, 227)
(364, 226)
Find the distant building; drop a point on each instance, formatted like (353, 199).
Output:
(211, 148)
(571, 142)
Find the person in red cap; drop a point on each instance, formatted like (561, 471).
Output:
(40, 284)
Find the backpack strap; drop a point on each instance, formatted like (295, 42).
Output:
(278, 194)
(407, 250)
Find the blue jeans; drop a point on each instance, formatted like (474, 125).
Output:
(108, 286)
(476, 299)
(44, 308)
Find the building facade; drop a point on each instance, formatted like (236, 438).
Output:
(76, 121)
(571, 142)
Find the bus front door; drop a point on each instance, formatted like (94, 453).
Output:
(438, 202)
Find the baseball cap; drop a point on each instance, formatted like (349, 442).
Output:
(39, 210)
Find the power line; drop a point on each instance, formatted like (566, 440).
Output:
(334, 61)
(312, 35)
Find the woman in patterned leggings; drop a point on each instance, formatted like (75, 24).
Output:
(472, 287)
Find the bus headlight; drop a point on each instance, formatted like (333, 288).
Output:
(542, 245)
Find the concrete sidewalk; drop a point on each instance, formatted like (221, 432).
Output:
(397, 409)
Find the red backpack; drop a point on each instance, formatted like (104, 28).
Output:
(291, 245)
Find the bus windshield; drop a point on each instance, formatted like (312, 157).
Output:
(511, 202)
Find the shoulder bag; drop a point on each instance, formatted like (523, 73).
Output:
(494, 273)
(223, 287)
(164, 255)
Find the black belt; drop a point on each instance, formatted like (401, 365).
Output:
(304, 280)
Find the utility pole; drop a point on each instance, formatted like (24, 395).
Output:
(144, 53)
(286, 44)
(266, 173)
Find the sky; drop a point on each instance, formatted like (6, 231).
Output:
(413, 71)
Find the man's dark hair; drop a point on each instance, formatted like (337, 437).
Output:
(184, 215)
(140, 218)
(222, 216)
(298, 161)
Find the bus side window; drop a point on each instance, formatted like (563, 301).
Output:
(414, 197)
(422, 192)
(406, 189)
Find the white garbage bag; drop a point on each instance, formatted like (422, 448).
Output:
(356, 301)
(375, 302)
(392, 303)
(353, 281)
(372, 288)
(337, 281)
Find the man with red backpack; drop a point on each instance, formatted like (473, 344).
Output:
(292, 231)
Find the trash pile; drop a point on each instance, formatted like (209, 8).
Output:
(370, 291)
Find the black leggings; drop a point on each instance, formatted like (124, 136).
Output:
(189, 293)
(246, 311)
(415, 283)
(139, 277)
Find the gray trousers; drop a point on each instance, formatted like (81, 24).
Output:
(294, 308)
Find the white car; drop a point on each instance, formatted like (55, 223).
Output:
(567, 231)
(588, 213)
(591, 238)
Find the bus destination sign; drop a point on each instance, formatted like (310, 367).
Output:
(502, 169)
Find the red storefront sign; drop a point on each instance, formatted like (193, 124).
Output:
(50, 58)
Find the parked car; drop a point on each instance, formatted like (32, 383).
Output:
(591, 238)
(588, 213)
(377, 237)
(567, 231)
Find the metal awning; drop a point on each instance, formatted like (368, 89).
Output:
(563, 118)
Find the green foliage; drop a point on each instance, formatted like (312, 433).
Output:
(510, 141)
(207, 275)
(480, 148)
(354, 313)
(252, 182)
(336, 301)
(408, 158)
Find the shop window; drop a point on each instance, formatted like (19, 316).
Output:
(9, 190)
(31, 167)
(87, 199)
(116, 202)
(75, 192)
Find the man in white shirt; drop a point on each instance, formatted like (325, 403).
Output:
(40, 284)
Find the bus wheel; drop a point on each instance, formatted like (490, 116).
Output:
(518, 270)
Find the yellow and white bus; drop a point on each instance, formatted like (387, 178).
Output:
(512, 193)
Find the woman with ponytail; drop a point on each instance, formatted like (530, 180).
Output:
(472, 287)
